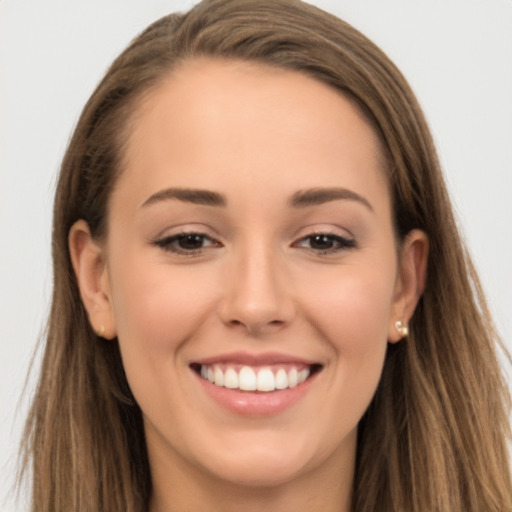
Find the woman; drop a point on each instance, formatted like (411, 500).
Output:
(261, 300)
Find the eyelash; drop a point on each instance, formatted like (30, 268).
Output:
(340, 243)
(170, 243)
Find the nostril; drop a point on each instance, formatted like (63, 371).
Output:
(237, 324)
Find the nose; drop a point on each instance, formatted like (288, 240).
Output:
(258, 294)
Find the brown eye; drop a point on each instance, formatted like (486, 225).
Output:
(324, 243)
(189, 244)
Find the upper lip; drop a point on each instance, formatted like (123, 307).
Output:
(247, 359)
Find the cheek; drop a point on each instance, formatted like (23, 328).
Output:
(155, 305)
(352, 313)
(157, 310)
(353, 307)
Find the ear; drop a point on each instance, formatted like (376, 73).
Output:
(89, 264)
(410, 281)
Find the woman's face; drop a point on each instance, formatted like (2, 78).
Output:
(250, 243)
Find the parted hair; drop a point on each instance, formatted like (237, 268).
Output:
(435, 435)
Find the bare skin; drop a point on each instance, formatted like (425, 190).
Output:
(285, 246)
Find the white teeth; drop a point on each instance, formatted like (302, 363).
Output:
(281, 379)
(219, 376)
(293, 378)
(303, 375)
(230, 378)
(247, 379)
(264, 379)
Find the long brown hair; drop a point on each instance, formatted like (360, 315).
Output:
(434, 436)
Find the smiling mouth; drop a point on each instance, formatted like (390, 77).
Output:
(256, 378)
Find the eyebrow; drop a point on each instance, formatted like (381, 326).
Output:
(187, 195)
(300, 199)
(317, 196)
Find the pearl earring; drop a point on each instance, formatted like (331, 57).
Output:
(402, 328)
(101, 332)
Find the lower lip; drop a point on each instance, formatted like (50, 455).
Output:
(251, 403)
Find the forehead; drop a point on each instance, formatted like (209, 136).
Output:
(220, 121)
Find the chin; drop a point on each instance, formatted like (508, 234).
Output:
(257, 463)
(262, 472)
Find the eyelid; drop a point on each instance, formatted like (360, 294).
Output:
(166, 243)
(344, 243)
(324, 228)
(185, 228)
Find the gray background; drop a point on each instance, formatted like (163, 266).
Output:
(457, 55)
